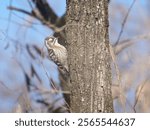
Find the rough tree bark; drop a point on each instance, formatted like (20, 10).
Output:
(89, 56)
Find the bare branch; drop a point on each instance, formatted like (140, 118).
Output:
(128, 42)
(124, 22)
(138, 93)
(3, 84)
(20, 10)
(47, 12)
(29, 2)
(38, 16)
(9, 18)
(26, 20)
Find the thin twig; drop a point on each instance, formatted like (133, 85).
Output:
(139, 93)
(124, 22)
(9, 18)
(20, 10)
(114, 59)
(35, 15)
(3, 36)
(128, 42)
(3, 84)
(42, 90)
(26, 19)
(29, 2)
(25, 25)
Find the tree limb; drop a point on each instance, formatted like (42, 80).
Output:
(128, 42)
(20, 10)
(37, 15)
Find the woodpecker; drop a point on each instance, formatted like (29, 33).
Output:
(58, 54)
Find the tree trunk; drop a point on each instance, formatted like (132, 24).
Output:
(89, 56)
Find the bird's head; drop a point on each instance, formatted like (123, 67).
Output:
(50, 41)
